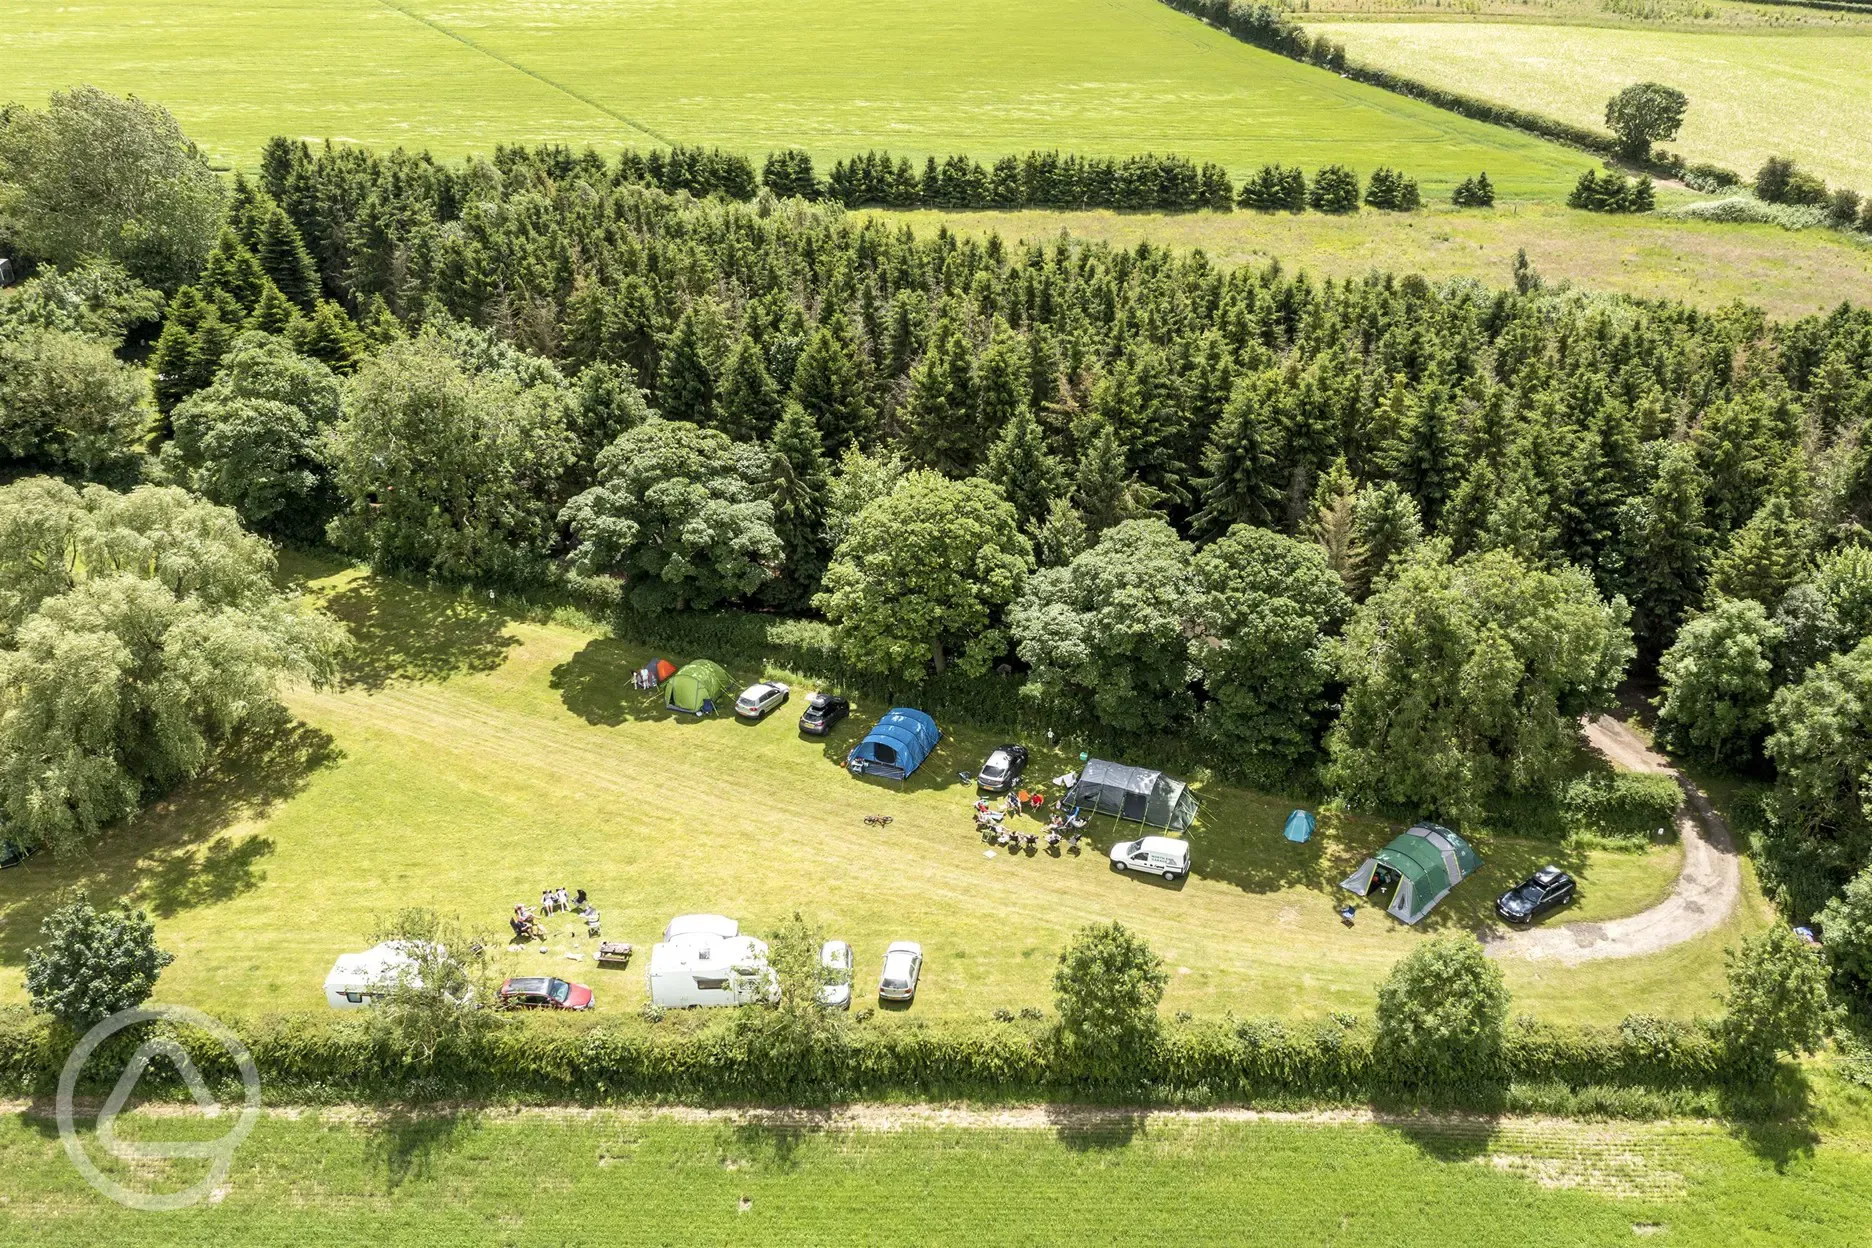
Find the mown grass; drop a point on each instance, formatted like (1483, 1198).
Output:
(983, 77)
(1787, 274)
(1057, 1176)
(473, 758)
(1797, 93)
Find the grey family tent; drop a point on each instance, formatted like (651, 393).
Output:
(1428, 861)
(1135, 793)
(696, 688)
(895, 746)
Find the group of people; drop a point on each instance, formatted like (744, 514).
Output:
(991, 819)
(527, 926)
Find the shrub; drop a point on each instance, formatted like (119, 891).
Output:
(1107, 987)
(1747, 210)
(1780, 181)
(1476, 192)
(1710, 178)
(1392, 191)
(93, 963)
(1441, 1011)
(1846, 927)
(1842, 208)
(1335, 189)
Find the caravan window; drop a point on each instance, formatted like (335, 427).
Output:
(710, 985)
(355, 998)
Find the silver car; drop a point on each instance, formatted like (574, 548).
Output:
(757, 700)
(903, 962)
(835, 956)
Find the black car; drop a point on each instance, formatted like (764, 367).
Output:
(1003, 768)
(12, 854)
(1546, 889)
(822, 711)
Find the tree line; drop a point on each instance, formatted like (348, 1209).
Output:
(1391, 534)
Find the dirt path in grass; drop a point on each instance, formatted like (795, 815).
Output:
(1702, 900)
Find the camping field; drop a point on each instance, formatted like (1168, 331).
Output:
(834, 76)
(922, 1175)
(1754, 93)
(473, 758)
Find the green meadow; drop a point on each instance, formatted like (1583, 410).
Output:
(984, 77)
(916, 1175)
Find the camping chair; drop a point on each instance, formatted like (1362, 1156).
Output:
(591, 923)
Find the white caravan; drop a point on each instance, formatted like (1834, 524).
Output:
(697, 964)
(357, 979)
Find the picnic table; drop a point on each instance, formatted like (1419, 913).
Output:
(614, 953)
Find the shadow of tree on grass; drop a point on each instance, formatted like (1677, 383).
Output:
(403, 1146)
(416, 633)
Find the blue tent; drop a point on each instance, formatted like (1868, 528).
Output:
(1299, 827)
(896, 747)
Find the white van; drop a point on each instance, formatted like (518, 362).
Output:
(1154, 855)
(357, 979)
(700, 968)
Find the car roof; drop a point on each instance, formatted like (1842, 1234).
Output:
(760, 686)
(904, 946)
(1549, 875)
(527, 983)
(1162, 845)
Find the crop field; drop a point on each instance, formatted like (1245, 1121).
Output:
(834, 76)
(473, 759)
(1788, 274)
(1753, 93)
(911, 1175)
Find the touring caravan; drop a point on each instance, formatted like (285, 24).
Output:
(696, 966)
(357, 979)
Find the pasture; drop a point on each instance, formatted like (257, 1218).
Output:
(1753, 94)
(920, 1175)
(1787, 274)
(473, 757)
(982, 77)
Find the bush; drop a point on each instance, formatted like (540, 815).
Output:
(1335, 189)
(1392, 191)
(1781, 181)
(1777, 1001)
(1842, 208)
(1710, 178)
(1746, 210)
(93, 963)
(1107, 988)
(1441, 1011)
(1621, 805)
(1846, 927)
(1476, 192)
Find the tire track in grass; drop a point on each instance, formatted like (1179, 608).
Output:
(538, 77)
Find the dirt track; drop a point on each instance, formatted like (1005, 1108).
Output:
(1702, 900)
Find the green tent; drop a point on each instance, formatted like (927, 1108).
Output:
(696, 688)
(1428, 861)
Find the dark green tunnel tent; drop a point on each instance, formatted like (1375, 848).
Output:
(1428, 861)
(696, 688)
(1139, 794)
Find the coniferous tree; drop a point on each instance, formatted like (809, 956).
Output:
(1018, 462)
(1239, 485)
(328, 336)
(747, 403)
(1661, 557)
(799, 504)
(1765, 557)
(825, 383)
(273, 313)
(283, 255)
(685, 388)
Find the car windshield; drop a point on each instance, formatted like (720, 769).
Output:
(1530, 893)
(559, 990)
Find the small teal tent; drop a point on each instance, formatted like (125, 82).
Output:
(896, 747)
(1299, 827)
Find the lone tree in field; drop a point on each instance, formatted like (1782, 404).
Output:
(93, 963)
(1441, 1010)
(1776, 1003)
(1107, 988)
(1643, 114)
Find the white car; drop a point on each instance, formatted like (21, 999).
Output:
(1154, 855)
(757, 700)
(903, 962)
(835, 992)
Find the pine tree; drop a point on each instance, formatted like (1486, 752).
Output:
(283, 256)
(1106, 491)
(1420, 454)
(1335, 526)
(274, 312)
(686, 380)
(233, 272)
(328, 335)
(747, 403)
(799, 503)
(825, 383)
(1019, 463)
(1386, 526)
(1765, 557)
(1240, 485)
(1660, 558)
(939, 429)
(169, 364)
(1061, 537)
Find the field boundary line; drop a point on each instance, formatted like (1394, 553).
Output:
(517, 67)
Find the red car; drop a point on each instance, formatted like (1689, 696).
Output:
(538, 992)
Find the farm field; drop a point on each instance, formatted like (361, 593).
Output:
(1789, 274)
(915, 1175)
(474, 759)
(833, 76)
(1753, 94)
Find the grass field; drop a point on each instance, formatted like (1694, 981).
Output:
(1789, 274)
(909, 1176)
(979, 76)
(1753, 94)
(474, 759)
